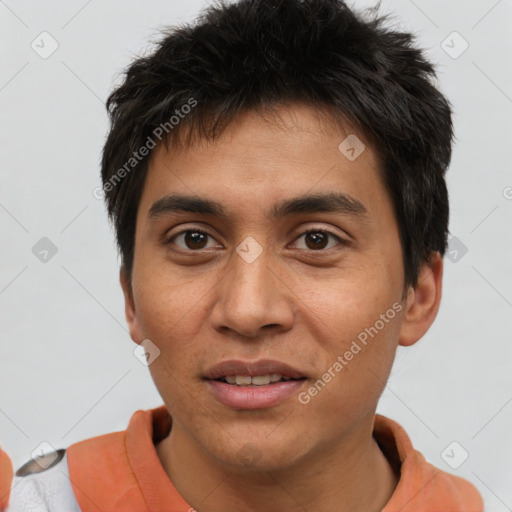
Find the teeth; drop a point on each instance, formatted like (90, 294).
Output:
(261, 380)
(257, 380)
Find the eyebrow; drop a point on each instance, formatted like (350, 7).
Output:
(317, 203)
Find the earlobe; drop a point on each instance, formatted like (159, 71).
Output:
(129, 308)
(422, 302)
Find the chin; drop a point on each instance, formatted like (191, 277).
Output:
(252, 455)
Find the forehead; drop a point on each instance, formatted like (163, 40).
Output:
(263, 157)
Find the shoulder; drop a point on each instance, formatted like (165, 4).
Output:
(43, 485)
(422, 486)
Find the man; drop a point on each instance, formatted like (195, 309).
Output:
(275, 176)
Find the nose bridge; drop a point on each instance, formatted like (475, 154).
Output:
(250, 297)
(249, 290)
(251, 278)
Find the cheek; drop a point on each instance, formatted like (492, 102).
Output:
(169, 306)
(357, 328)
(343, 307)
(352, 382)
(168, 378)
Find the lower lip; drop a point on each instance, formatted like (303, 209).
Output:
(254, 397)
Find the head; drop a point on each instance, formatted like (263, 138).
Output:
(245, 118)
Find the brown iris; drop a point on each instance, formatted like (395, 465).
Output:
(195, 239)
(319, 239)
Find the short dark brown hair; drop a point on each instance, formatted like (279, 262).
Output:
(260, 54)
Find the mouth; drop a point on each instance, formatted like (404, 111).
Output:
(260, 371)
(257, 380)
(253, 385)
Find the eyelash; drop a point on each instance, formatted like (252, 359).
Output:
(341, 241)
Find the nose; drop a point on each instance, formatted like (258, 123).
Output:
(253, 299)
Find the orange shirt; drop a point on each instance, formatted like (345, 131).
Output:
(422, 487)
(121, 472)
(5, 479)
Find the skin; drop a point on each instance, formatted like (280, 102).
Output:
(295, 303)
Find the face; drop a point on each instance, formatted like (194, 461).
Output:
(283, 250)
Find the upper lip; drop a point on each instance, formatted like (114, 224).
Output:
(261, 367)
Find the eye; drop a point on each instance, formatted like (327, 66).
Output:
(318, 239)
(194, 239)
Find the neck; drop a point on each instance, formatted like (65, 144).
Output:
(352, 476)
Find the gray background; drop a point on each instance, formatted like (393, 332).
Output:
(67, 369)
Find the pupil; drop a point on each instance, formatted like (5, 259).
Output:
(194, 238)
(319, 240)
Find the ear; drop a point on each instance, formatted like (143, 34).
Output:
(422, 302)
(129, 308)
